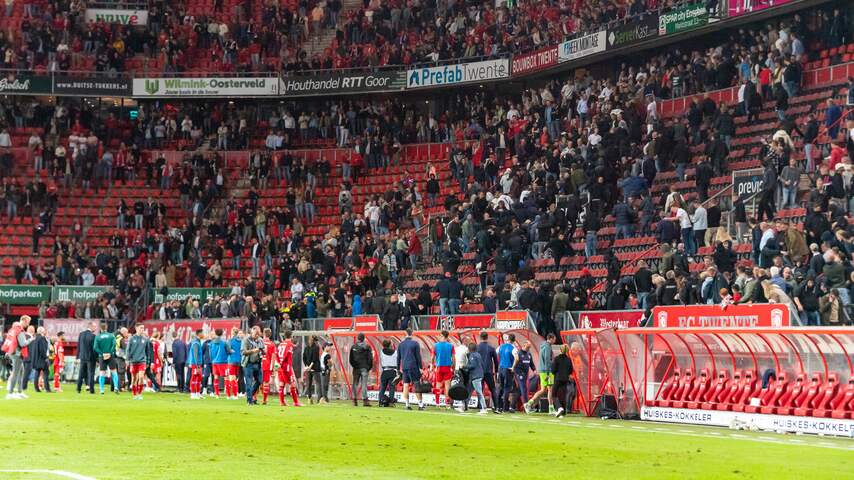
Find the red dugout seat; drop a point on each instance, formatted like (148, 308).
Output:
(735, 388)
(750, 390)
(770, 395)
(686, 384)
(827, 395)
(716, 394)
(843, 404)
(701, 390)
(805, 401)
(668, 388)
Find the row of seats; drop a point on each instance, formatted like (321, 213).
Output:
(801, 397)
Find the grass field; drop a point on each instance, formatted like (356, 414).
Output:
(169, 436)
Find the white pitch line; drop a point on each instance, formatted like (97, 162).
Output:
(58, 473)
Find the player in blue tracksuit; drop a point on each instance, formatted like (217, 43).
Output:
(219, 351)
(234, 357)
(195, 360)
(508, 356)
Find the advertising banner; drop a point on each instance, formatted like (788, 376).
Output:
(340, 83)
(76, 293)
(186, 329)
(71, 327)
(610, 319)
(583, 46)
(24, 294)
(534, 61)
(635, 31)
(458, 74)
(747, 182)
(91, 86)
(511, 320)
(682, 19)
(25, 85)
(112, 15)
(449, 322)
(206, 87)
(740, 316)
(366, 323)
(741, 7)
(200, 294)
(774, 423)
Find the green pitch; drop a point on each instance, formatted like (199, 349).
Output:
(168, 436)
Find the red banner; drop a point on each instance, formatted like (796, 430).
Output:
(743, 7)
(185, 329)
(366, 323)
(610, 319)
(531, 62)
(736, 316)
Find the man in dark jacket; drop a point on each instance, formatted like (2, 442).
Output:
(39, 351)
(564, 384)
(313, 367)
(362, 361)
(179, 360)
(717, 152)
(704, 174)
(624, 218)
(766, 196)
(392, 314)
(490, 366)
(86, 358)
(809, 137)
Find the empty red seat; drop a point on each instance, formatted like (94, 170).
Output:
(790, 400)
(686, 386)
(828, 393)
(805, 402)
(843, 404)
(666, 391)
(751, 389)
(735, 388)
(701, 389)
(717, 392)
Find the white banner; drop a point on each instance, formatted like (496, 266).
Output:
(110, 15)
(428, 398)
(785, 423)
(459, 73)
(206, 87)
(583, 46)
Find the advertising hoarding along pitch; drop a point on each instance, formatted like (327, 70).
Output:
(534, 61)
(458, 73)
(635, 31)
(338, 83)
(91, 86)
(206, 87)
(610, 319)
(76, 293)
(24, 294)
(25, 85)
(684, 18)
(582, 46)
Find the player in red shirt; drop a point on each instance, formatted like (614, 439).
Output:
(267, 364)
(58, 359)
(156, 361)
(286, 377)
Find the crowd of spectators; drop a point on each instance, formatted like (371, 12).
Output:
(533, 170)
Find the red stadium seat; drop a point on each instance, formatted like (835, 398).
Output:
(701, 389)
(805, 401)
(750, 390)
(669, 387)
(771, 394)
(735, 388)
(792, 397)
(843, 404)
(823, 402)
(717, 392)
(686, 386)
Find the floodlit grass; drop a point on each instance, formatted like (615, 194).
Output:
(169, 436)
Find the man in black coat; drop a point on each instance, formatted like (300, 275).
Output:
(179, 361)
(39, 352)
(86, 358)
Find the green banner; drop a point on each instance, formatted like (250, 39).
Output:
(684, 18)
(76, 293)
(24, 294)
(202, 294)
(25, 85)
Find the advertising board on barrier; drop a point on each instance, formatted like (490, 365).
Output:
(450, 322)
(747, 182)
(511, 320)
(25, 85)
(185, 329)
(206, 87)
(75, 293)
(201, 294)
(120, 16)
(24, 294)
(338, 83)
(741, 7)
(740, 316)
(458, 73)
(71, 327)
(634, 31)
(91, 86)
(583, 46)
(775, 423)
(534, 61)
(610, 319)
(682, 19)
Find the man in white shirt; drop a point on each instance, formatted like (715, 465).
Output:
(680, 215)
(701, 223)
(5, 139)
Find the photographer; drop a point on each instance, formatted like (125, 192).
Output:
(252, 350)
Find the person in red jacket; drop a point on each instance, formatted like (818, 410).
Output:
(58, 360)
